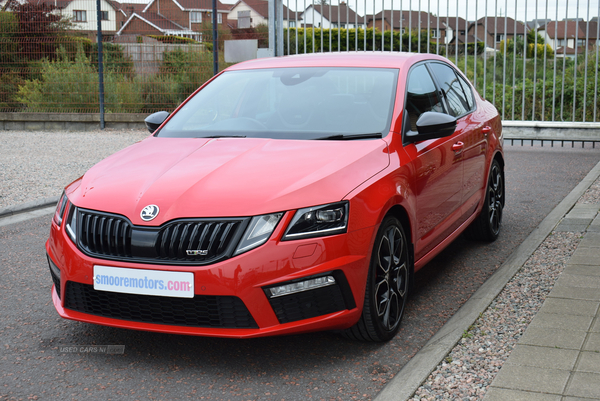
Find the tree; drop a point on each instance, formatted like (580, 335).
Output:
(38, 28)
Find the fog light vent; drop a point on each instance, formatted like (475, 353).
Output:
(300, 286)
(308, 298)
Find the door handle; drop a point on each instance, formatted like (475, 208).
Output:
(458, 147)
(486, 130)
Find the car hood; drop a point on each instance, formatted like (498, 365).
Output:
(226, 177)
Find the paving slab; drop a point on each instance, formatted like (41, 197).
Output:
(530, 378)
(586, 256)
(562, 291)
(585, 385)
(583, 211)
(589, 362)
(583, 270)
(552, 320)
(580, 280)
(572, 227)
(554, 338)
(570, 306)
(593, 237)
(505, 394)
(543, 357)
(593, 344)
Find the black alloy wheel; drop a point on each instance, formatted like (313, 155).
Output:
(387, 285)
(487, 225)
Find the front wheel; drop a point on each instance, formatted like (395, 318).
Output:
(487, 225)
(387, 285)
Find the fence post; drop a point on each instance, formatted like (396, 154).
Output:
(100, 72)
(276, 28)
(215, 38)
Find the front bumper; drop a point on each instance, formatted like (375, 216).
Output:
(229, 297)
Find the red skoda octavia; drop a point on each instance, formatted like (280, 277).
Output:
(286, 195)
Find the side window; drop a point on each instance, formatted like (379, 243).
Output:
(421, 95)
(468, 92)
(452, 88)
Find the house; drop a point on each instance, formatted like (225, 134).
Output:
(536, 23)
(173, 18)
(256, 12)
(456, 29)
(330, 16)
(569, 37)
(83, 16)
(493, 30)
(403, 21)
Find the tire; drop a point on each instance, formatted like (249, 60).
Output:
(387, 285)
(487, 225)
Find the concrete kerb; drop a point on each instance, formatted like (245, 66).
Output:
(29, 206)
(416, 371)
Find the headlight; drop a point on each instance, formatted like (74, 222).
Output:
(71, 223)
(318, 221)
(258, 232)
(60, 209)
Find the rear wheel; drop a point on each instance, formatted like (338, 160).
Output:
(387, 285)
(487, 225)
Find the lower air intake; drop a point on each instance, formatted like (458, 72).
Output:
(200, 311)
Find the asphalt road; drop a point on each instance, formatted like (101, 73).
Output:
(34, 364)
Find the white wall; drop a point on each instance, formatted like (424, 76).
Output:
(90, 8)
(312, 16)
(257, 19)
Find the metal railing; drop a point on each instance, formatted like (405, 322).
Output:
(49, 62)
(521, 60)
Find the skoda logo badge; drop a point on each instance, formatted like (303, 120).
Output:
(149, 212)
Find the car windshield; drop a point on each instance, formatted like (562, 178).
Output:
(290, 103)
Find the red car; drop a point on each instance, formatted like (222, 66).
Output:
(286, 195)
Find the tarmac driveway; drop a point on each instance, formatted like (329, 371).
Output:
(37, 359)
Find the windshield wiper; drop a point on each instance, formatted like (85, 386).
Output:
(342, 137)
(223, 136)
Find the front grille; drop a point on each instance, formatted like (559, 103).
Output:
(105, 234)
(200, 311)
(307, 304)
(186, 241)
(211, 238)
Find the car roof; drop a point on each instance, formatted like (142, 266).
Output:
(345, 59)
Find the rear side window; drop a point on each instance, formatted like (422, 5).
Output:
(421, 96)
(459, 98)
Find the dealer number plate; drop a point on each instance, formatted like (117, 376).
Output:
(145, 282)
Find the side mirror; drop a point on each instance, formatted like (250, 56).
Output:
(432, 125)
(153, 121)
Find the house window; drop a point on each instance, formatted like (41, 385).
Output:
(403, 31)
(499, 38)
(219, 18)
(462, 32)
(79, 16)
(292, 24)
(434, 34)
(196, 16)
(104, 15)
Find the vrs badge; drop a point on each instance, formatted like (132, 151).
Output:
(197, 252)
(149, 212)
